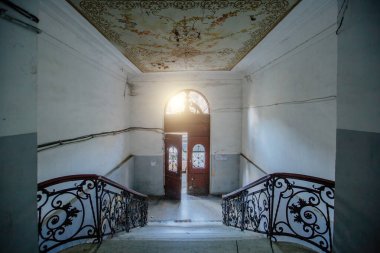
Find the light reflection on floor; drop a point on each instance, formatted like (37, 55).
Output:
(190, 208)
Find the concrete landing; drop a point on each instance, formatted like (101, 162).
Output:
(194, 208)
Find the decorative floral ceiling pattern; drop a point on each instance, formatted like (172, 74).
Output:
(183, 35)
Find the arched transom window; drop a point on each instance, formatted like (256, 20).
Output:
(187, 101)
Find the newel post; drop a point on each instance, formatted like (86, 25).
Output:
(144, 212)
(128, 199)
(271, 185)
(98, 210)
(243, 205)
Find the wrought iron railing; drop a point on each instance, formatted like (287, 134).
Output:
(85, 209)
(284, 207)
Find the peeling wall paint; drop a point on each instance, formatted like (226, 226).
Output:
(196, 35)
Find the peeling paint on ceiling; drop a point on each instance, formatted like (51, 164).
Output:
(159, 36)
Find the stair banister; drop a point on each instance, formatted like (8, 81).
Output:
(85, 208)
(285, 206)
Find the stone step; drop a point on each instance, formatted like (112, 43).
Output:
(204, 246)
(189, 237)
(187, 231)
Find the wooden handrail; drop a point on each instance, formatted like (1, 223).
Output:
(113, 183)
(69, 178)
(317, 180)
(119, 165)
(246, 187)
(63, 179)
(253, 163)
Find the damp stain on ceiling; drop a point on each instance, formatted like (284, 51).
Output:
(159, 36)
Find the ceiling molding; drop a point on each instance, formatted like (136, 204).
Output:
(188, 76)
(309, 20)
(168, 35)
(65, 13)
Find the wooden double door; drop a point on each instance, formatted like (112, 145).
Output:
(197, 128)
(198, 165)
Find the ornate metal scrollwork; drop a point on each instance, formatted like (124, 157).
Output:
(113, 209)
(257, 210)
(84, 209)
(232, 211)
(285, 205)
(138, 212)
(62, 214)
(303, 212)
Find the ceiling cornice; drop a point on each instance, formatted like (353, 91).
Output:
(168, 35)
(64, 12)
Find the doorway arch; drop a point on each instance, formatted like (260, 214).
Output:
(187, 112)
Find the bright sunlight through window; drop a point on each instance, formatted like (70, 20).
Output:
(176, 104)
(189, 101)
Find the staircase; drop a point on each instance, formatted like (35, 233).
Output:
(202, 237)
(97, 216)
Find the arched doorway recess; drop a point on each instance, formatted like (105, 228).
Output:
(188, 113)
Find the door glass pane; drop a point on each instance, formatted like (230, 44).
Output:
(199, 156)
(173, 159)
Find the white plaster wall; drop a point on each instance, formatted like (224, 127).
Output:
(223, 92)
(294, 137)
(124, 175)
(358, 71)
(248, 172)
(358, 131)
(18, 75)
(18, 138)
(81, 84)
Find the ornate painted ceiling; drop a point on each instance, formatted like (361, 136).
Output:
(159, 36)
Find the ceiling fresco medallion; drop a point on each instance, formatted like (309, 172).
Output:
(159, 36)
